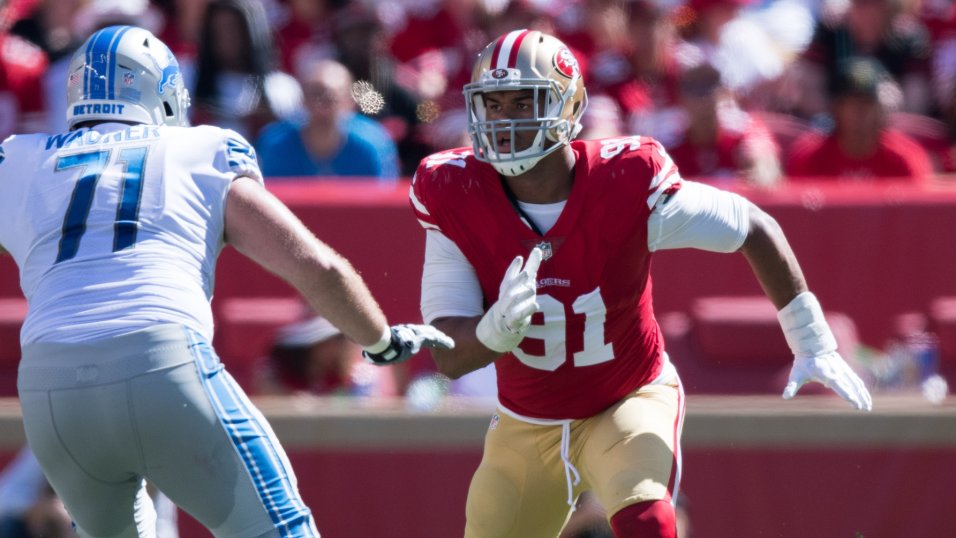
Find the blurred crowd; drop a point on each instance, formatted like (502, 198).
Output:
(760, 90)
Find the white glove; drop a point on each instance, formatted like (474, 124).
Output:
(401, 342)
(506, 322)
(815, 354)
(835, 374)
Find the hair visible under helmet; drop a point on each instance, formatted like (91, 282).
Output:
(125, 73)
(525, 60)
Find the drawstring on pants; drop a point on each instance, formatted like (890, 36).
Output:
(569, 468)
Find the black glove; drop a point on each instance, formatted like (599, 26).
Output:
(407, 340)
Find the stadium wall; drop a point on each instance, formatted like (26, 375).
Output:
(753, 465)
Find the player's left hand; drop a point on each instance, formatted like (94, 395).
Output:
(407, 340)
(834, 373)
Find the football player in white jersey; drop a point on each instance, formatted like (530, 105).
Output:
(116, 226)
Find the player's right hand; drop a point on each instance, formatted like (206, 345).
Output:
(407, 340)
(504, 324)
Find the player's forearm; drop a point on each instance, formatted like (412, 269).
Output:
(337, 292)
(772, 260)
(469, 353)
(259, 226)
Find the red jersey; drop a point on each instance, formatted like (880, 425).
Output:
(739, 136)
(897, 156)
(595, 338)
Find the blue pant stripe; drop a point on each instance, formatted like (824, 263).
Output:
(253, 445)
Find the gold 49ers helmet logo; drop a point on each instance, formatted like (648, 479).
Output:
(565, 63)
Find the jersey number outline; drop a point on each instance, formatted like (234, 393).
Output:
(612, 147)
(91, 165)
(595, 351)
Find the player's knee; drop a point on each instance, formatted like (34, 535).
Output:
(491, 506)
(650, 519)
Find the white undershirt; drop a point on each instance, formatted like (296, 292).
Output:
(696, 216)
(543, 215)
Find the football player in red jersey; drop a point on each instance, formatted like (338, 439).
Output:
(588, 398)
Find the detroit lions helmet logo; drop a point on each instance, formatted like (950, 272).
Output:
(170, 74)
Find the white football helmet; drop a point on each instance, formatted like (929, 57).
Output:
(125, 73)
(526, 60)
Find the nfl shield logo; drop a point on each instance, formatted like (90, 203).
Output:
(128, 79)
(73, 79)
(494, 422)
(546, 250)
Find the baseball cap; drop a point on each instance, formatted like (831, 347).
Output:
(860, 75)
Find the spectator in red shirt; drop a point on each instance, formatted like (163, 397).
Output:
(718, 138)
(861, 146)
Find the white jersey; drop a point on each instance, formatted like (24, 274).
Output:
(118, 227)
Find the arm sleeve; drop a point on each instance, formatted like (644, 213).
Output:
(698, 216)
(449, 284)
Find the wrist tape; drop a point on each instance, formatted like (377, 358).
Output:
(805, 328)
(382, 344)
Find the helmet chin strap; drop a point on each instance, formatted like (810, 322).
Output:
(516, 168)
